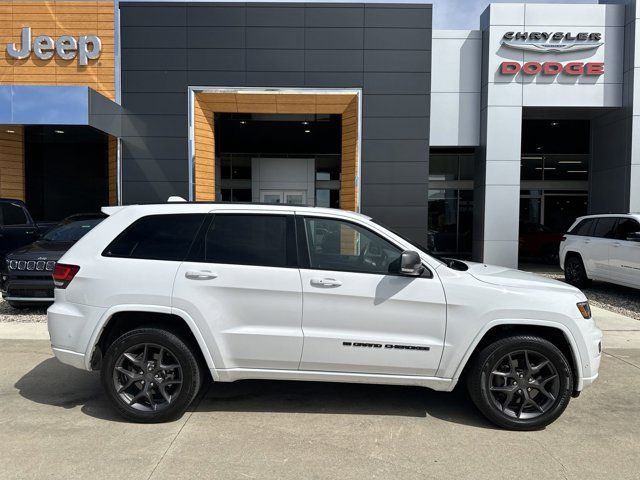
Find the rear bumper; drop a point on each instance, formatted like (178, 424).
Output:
(71, 326)
(74, 359)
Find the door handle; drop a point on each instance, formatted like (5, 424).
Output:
(325, 282)
(616, 244)
(200, 275)
(586, 241)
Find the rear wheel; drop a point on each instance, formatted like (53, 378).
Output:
(150, 375)
(521, 382)
(574, 272)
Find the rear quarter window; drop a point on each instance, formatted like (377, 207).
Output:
(157, 237)
(584, 228)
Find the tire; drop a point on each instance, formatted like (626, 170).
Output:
(150, 375)
(574, 271)
(506, 388)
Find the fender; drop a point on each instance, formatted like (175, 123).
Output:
(106, 316)
(575, 351)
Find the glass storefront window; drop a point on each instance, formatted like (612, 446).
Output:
(450, 221)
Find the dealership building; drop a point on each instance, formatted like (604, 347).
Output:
(456, 139)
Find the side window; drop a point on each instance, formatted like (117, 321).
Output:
(262, 240)
(605, 227)
(344, 246)
(12, 214)
(583, 228)
(625, 227)
(157, 237)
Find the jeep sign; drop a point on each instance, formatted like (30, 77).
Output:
(86, 48)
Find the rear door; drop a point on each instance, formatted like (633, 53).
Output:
(359, 317)
(241, 283)
(625, 254)
(596, 247)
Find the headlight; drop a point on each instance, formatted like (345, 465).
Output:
(585, 309)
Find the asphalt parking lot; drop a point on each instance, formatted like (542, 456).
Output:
(55, 423)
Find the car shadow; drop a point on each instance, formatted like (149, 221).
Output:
(53, 383)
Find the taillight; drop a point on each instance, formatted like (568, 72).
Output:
(563, 239)
(63, 274)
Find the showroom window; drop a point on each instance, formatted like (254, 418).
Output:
(450, 217)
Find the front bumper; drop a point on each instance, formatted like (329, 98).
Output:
(592, 353)
(25, 287)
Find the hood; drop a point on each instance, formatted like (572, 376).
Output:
(509, 277)
(40, 250)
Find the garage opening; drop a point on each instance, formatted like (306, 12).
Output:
(67, 170)
(278, 158)
(554, 177)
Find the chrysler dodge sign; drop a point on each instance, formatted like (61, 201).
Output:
(85, 48)
(552, 42)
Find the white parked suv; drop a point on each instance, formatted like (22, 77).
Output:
(602, 247)
(156, 295)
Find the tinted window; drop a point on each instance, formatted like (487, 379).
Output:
(583, 228)
(12, 214)
(605, 227)
(337, 245)
(71, 232)
(265, 240)
(159, 237)
(625, 227)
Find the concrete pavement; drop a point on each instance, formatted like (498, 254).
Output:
(56, 423)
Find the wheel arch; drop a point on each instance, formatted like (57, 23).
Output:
(119, 320)
(556, 333)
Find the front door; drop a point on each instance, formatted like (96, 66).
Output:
(359, 318)
(242, 283)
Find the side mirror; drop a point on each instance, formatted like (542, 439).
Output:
(633, 237)
(411, 264)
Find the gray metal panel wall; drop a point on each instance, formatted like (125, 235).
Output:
(385, 49)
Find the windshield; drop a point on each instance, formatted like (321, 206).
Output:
(71, 232)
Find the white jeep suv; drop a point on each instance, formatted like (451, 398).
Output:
(157, 295)
(602, 247)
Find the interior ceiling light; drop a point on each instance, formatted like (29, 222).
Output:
(58, 131)
(555, 124)
(531, 157)
(538, 148)
(243, 122)
(307, 131)
(305, 123)
(570, 161)
(576, 171)
(11, 131)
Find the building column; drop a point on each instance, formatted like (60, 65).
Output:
(497, 187)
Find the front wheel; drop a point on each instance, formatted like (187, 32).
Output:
(521, 382)
(150, 375)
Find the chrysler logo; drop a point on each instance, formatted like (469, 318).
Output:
(557, 42)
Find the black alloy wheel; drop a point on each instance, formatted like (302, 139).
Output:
(574, 272)
(147, 377)
(521, 382)
(150, 375)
